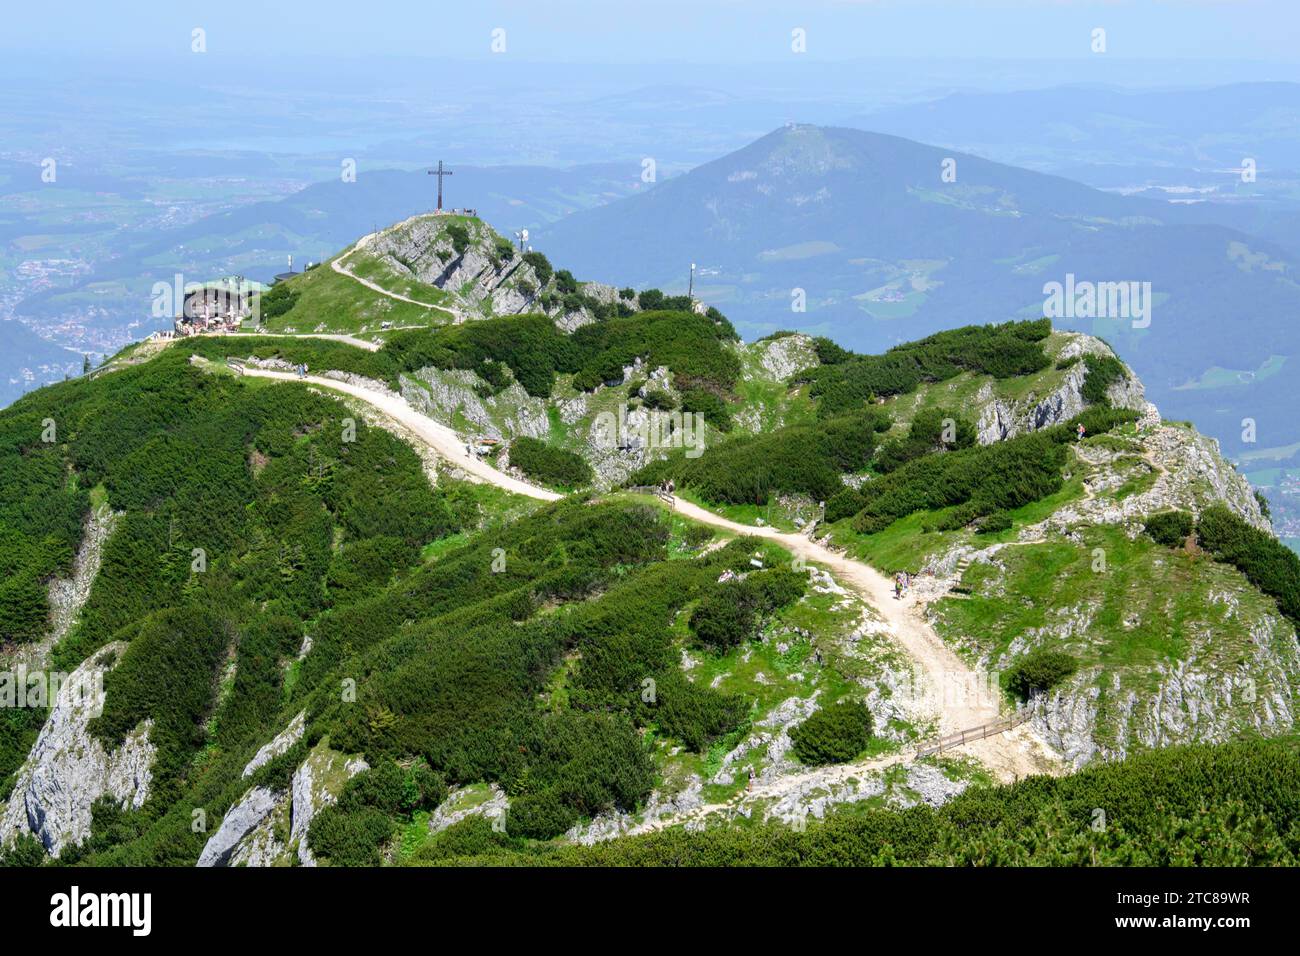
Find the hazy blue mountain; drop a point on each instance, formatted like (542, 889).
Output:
(1185, 146)
(885, 251)
(1187, 129)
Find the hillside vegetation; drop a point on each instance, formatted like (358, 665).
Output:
(342, 654)
(1231, 805)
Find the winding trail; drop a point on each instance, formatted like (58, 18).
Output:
(958, 693)
(953, 685)
(337, 264)
(366, 344)
(437, 436)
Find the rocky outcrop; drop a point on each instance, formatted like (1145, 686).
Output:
(1000, 419)
(316, 785)
(270, 828)
(281, 743)
(423, 249)
(242, 819)
(1185, 470)
(772, 735)
(785, 356)
(450, 395)
(1191, 700)
(68, 769)
(464, 803)
(67, 595)
(661, 808)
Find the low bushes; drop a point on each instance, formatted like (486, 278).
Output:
(548, 464)
(575, 764)
(979, 480)
(844, 381)
(352, 831)
(1039, 670)
(935, 429)
(730, 612)
(1169, 528)
(693, 714)
(800, 459)
(167, 675)
(1160, 806)
(276, 301)
(1103, 372)
(1267, 563)
(993, 523)
(536, 351)
(834, 734)
(989, 478)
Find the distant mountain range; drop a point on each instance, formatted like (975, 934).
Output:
(112, 296)
(1178, 130)
(884, 250)
(1185, 146)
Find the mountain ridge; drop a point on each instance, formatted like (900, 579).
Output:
(316, 574)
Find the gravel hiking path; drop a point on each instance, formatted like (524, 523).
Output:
(338, 266)
(951, 687)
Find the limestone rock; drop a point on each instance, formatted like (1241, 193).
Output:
(999, 420)
(68, 769)
(459, 806)
(282, 742)
(316, 785)
(788, 355)
(240, 820)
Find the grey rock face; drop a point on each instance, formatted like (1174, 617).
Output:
(1190, 474)
(454, 809)
(422, 248)
(282, 742)
(312, 793)
(68, 769)
(68, 595)
(448, 394)
(773, 734)
(999, 420)
(240, 820)
(788, 356)
(251, 831)
(659, 807)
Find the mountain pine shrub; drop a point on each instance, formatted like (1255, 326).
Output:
(1169, 528)
(1267, 563)
(548, 464)
(1038, 671)
(833, 734)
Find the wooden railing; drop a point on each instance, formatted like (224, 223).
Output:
(990, 729)
(655, 490)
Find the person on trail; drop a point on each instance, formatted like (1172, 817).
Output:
(751, 778)
(1081, 431)
(898, 588)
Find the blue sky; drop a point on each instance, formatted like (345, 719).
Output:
(664, 30)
